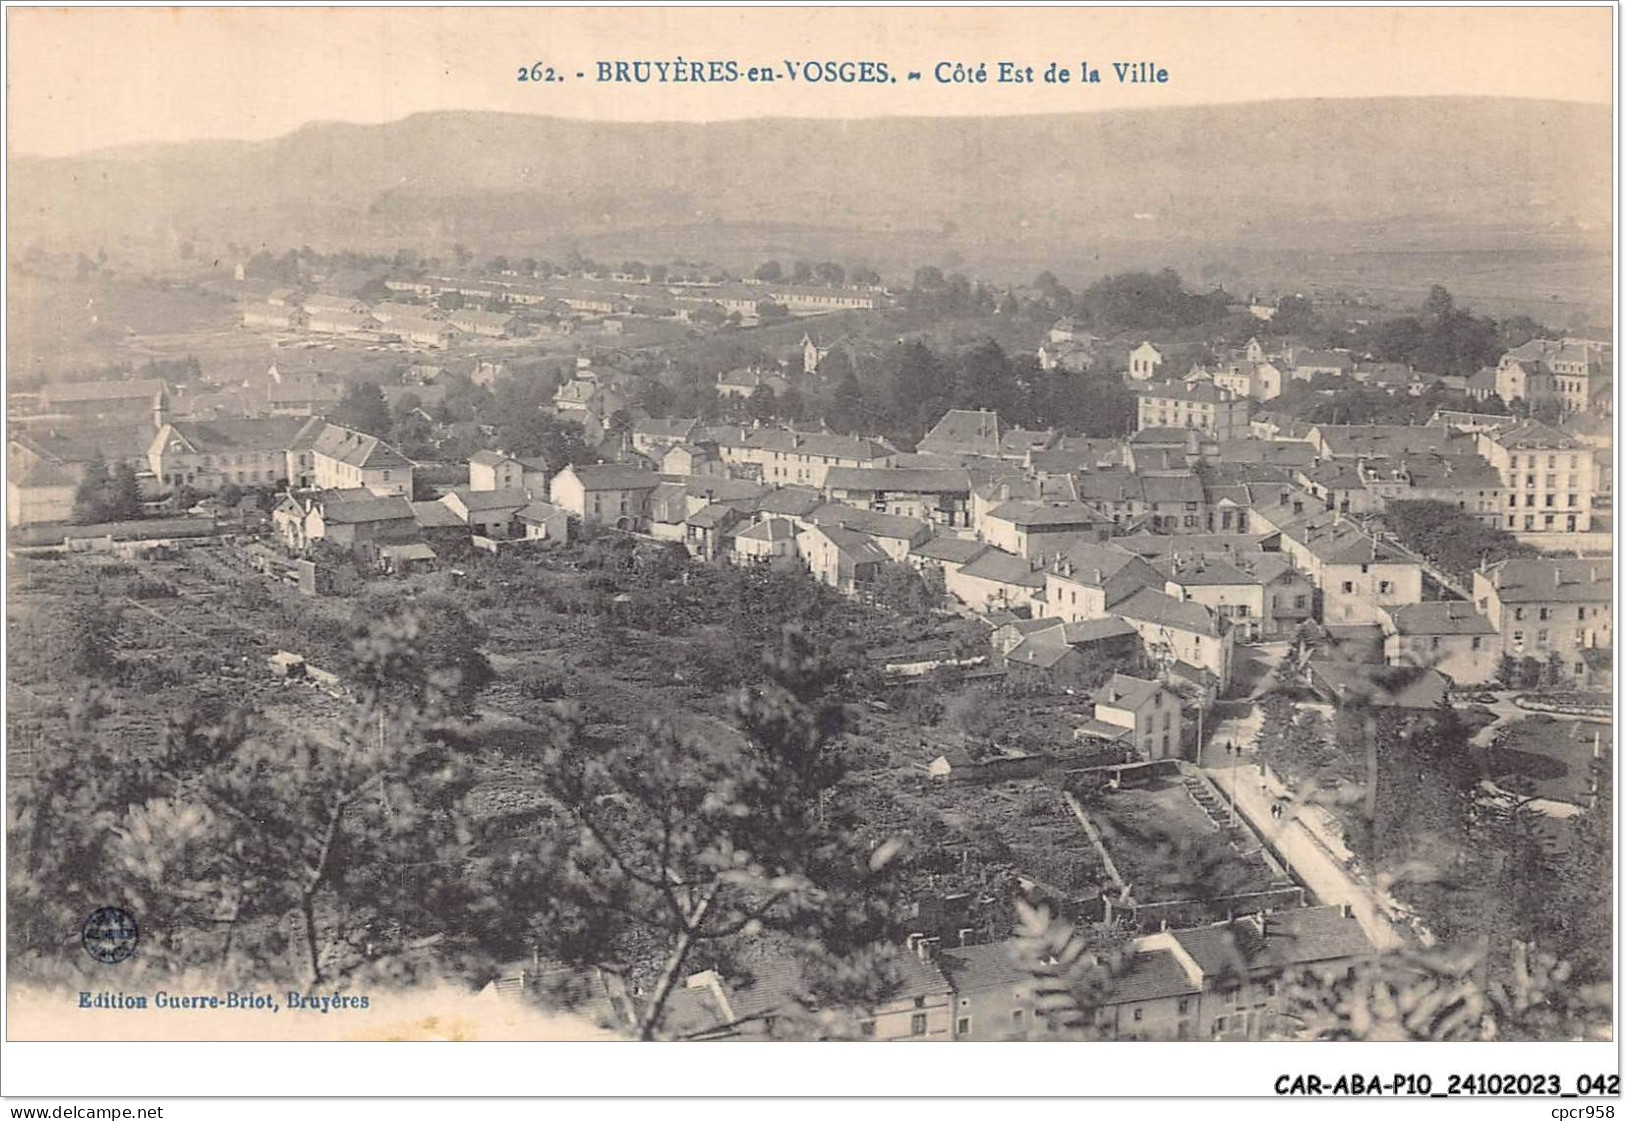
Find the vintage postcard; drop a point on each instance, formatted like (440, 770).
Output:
(869, 524)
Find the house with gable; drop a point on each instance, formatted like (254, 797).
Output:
(610, 494)
(842, 558)
(1087, 581)
(331, 457)
(1140, 712)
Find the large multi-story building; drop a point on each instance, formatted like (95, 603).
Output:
(1548, 478)
(206, 455)
(1545, 607)
(1358, 575)
(1568, 372)
(1448, 636)
(1203, 406)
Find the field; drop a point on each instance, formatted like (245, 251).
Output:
(1167, 848)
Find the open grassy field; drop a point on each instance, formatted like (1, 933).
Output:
(1548, 757)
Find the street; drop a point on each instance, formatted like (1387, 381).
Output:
(1305, 853)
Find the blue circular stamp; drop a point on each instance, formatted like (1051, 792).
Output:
(110, 935)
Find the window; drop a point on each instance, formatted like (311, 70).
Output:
(1384, 587)
(1581, 613)
(1574, 500)
(1478, 642)
(964, 1025)
(919, 1002)
(867, 1028)
(1517, 613)
(1348, 587)
(916, 1024)
(1184, 1005)
(1540, 637)
(1517, 638)
(1545, 614)
(1300, 602)
(1139, 1014)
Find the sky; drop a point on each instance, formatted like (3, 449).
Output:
(87, 78)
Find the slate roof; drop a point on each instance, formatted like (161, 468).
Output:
(1372, 440)
(1096, 630)
(1151, 975)
(436, 515)
(964, 431)
(1092, 565)
(1041, 649)
(1553, 579)
(615, 476)
(1461, 472)
(776, 984)
(356, 449)
(678, 429)
(893, 526)
(1202, 571)
(1336, 540)
(1109, 486)
(358, 505)
(540, 512)
(898, 479)
(1043, 514)
(1157, 544)
(42, 474)
(1019, 441)
(953, 550)
(715, 488)
(1162, 436)
(1285, 453)
(1151, 606)
(1438, 617)
(827, 445)
(1533, 434)
(1123, 691)
(791, 501)
(481, 500)
(1384, 687)
(769, 530)
(1297, 936)
(82, 444)
(1172, 488)
(859, 547)
(1003, 568)
(712, 516)
(979, 968)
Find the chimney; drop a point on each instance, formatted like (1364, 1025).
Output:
(1346, 911)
